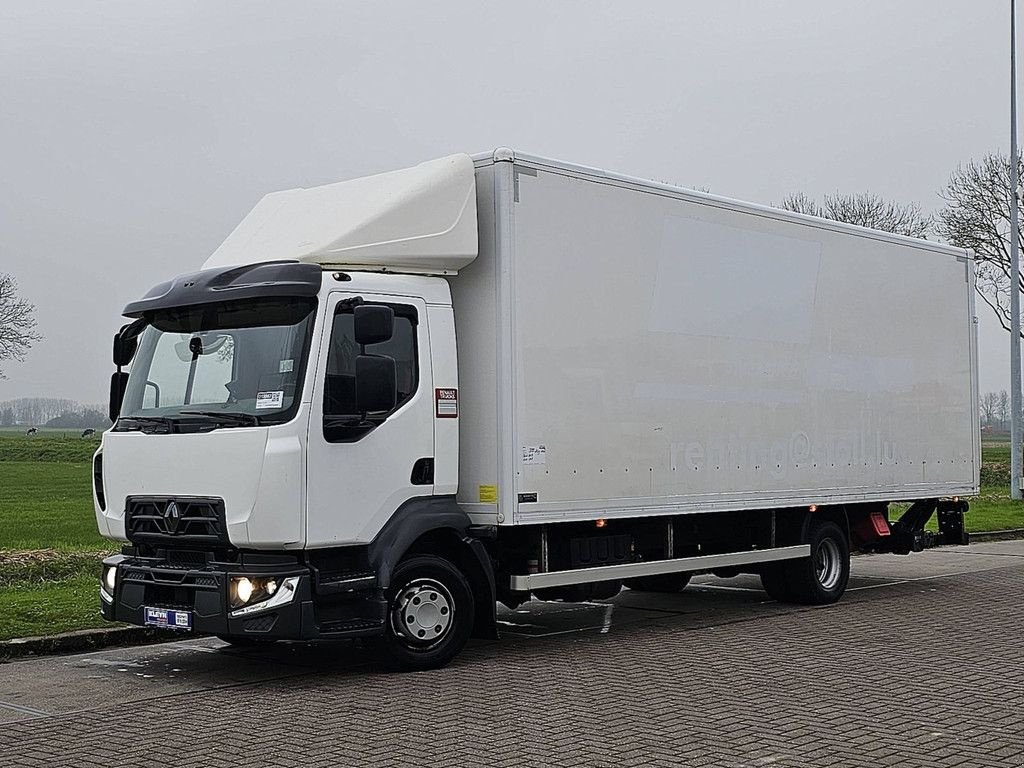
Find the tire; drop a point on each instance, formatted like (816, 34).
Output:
(665, 582)
(430, 614)
(775, 581)
(820, 579)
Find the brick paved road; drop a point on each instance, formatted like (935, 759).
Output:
(922, 672)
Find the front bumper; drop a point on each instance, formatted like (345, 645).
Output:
(204, 592)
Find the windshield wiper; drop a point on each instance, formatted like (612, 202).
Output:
(231, 417)
(163, 421)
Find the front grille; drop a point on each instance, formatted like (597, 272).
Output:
(175, 520)
(171, 578)
(185, 558)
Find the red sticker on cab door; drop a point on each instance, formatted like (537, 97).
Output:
(447, 402)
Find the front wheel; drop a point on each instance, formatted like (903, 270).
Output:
(430, 614)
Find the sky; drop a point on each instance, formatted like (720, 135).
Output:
(135, 136)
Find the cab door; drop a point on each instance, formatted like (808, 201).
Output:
(359, 471)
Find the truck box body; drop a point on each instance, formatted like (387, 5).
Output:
(631, 349)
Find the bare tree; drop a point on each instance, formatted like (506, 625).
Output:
(17, 323)
(989, 408)
(800, 202)
(1003, 409)
(977, 216)
(865, 210)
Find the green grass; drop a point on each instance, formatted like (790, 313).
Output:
(993, 510)
(48, 505)
(51, 607)
(995, 450)
(47, 446)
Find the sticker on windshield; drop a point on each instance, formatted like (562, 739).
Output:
(286, 366)
(269, 399)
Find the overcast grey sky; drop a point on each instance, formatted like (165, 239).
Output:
(135, 135)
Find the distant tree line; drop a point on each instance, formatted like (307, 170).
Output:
(52, 412)
(995, 411)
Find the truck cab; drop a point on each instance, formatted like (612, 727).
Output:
(287, 433)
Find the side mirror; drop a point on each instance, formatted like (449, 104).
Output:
(373, 323)
(376, 383)
(126, 341)
(118, 382)
(124, 347)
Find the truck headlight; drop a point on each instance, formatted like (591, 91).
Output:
(261, 593)
(243, 590)
(110, 578)
(246, 590)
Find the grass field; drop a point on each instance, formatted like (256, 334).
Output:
(46, 494)
(50, 550)
(48, 446)
(51, 608)
(995, 451)
(49, 547)
(47, 505)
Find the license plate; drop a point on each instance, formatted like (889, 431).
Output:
(166, 618)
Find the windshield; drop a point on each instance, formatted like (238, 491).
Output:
(232, 364)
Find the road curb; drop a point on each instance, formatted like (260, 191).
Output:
(1010, 533)
(78, 641)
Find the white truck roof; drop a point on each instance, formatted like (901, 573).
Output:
(419, 220)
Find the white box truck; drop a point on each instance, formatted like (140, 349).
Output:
(385, 405)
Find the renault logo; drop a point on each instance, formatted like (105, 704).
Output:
(171, 517)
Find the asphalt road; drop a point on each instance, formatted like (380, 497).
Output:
(921, 664)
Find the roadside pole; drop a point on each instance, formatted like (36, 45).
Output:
(1015, 391)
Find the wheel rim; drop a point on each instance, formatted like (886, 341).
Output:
(828, 564)
(422, 613)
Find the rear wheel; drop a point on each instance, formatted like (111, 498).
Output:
(775, 581)
(816, 580)
(665, 582)
(821, 579)
(430, 614)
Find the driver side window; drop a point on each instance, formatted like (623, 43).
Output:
(340, 377)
